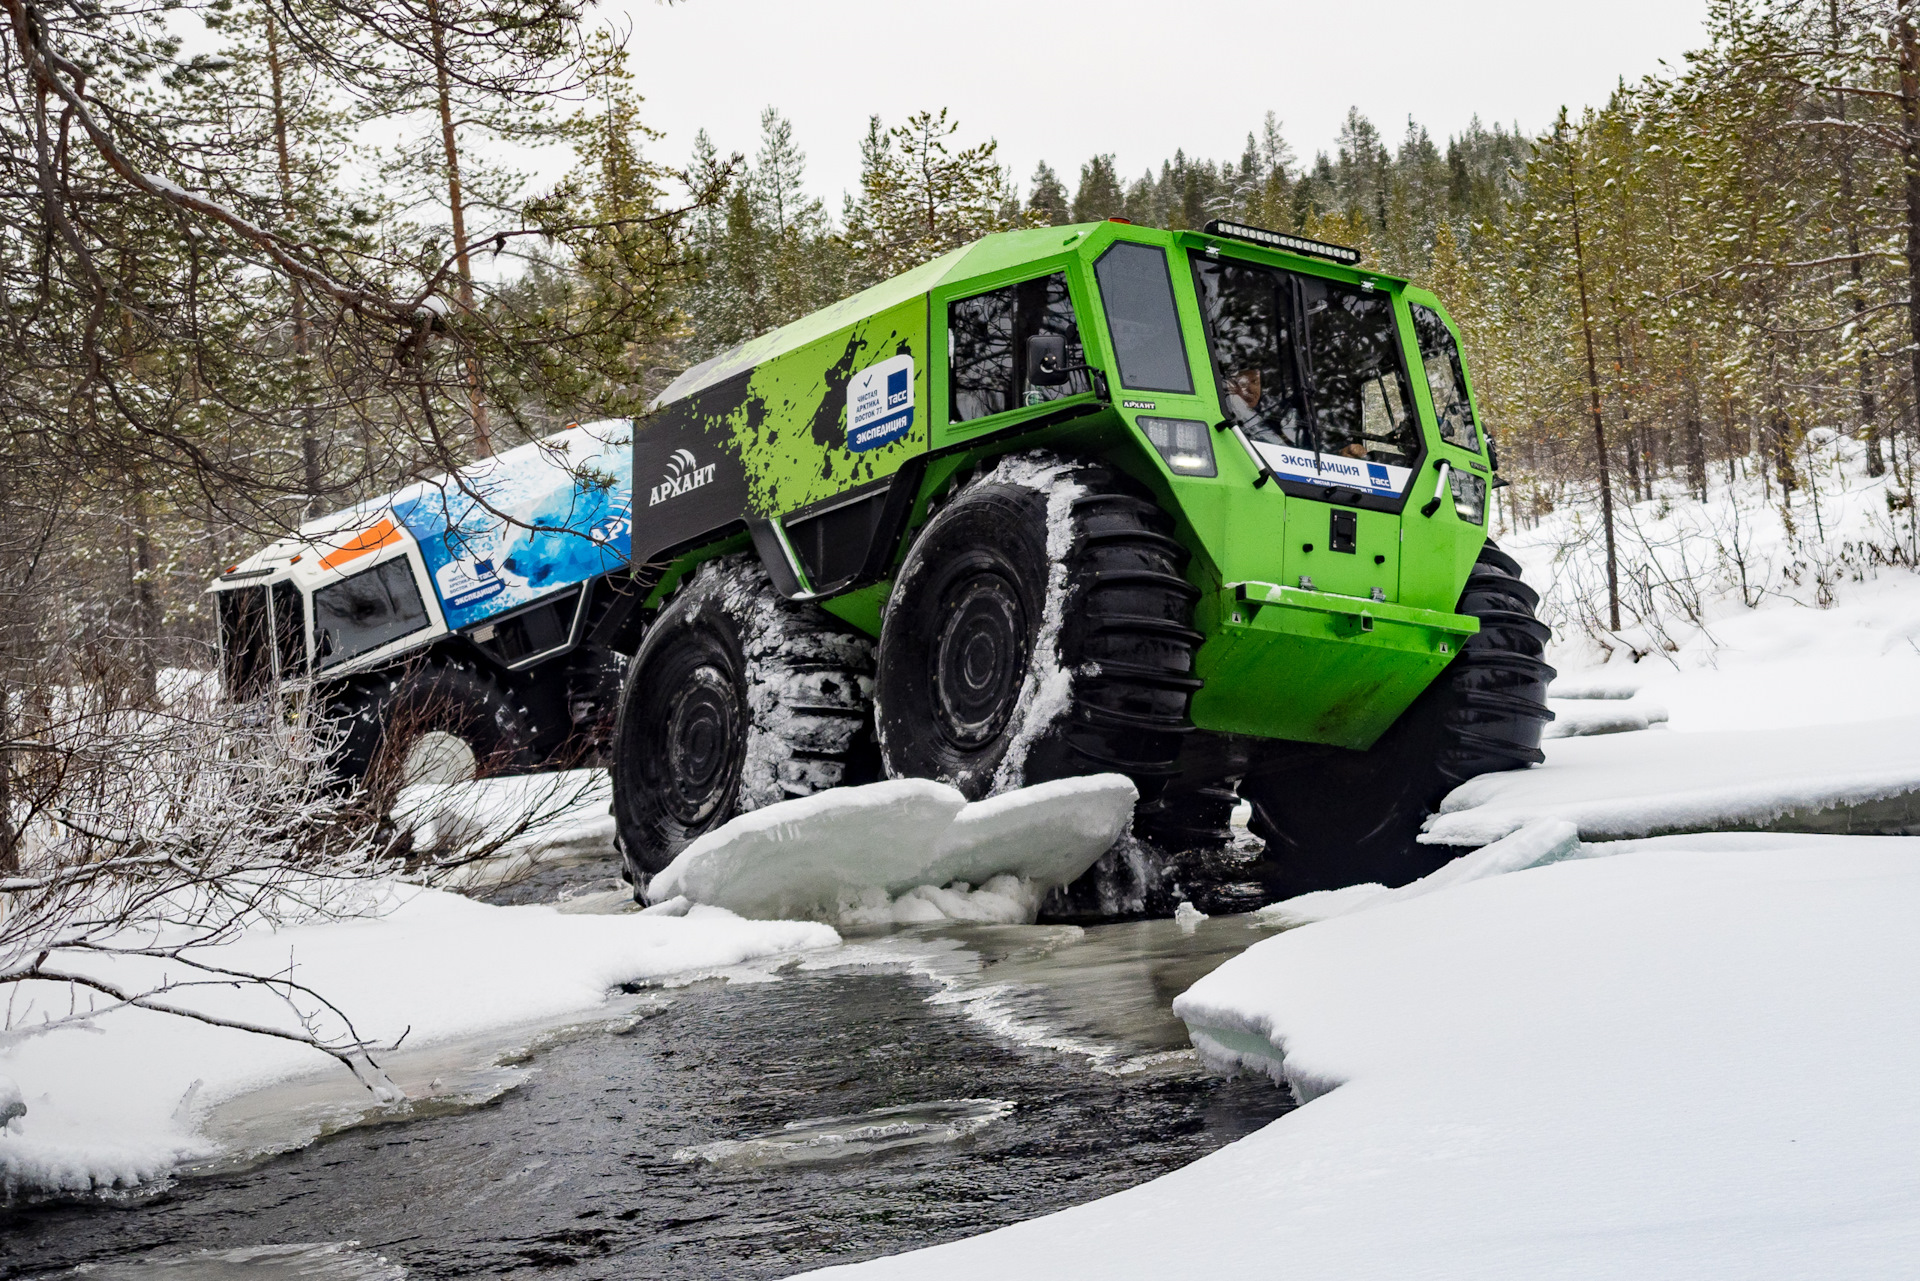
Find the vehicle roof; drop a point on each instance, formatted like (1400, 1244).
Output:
(980, 258)
(325, 534)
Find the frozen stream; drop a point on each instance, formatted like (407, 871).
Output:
(912, 1087)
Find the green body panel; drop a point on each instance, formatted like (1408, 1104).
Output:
(1336, 664)
(1347, 667)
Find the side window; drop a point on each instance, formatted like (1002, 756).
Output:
(1138, 296)
(980, 355)
(987, 347)
(366, 611)
(244, 648)
(1446, 379)
(289, 629)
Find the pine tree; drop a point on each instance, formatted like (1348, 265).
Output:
(1098, 195)
(1047, 197)
(920, 196)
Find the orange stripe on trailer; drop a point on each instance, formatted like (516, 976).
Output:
(382, 535)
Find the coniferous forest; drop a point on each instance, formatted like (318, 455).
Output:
(263, 260)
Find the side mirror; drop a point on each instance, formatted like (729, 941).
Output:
(1046, 360)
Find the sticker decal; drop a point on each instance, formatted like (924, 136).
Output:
(683, 475)
(1136, 404)
(880, 404)
(1334, 469)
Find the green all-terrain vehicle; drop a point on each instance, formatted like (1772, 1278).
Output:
(1203, 508)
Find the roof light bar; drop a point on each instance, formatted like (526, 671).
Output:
(1281, 240)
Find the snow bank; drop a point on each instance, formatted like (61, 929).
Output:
(1542, 841)
(879, 853)
(1858, 776)
(1690, 1059)
(117, 1104)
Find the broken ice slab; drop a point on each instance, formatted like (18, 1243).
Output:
(840, 1138)
(1577, 718)
(828, 855)
(1859, 778)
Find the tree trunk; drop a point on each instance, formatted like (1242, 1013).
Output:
(1695, 431)
(1593, 393)
(1910, 156)
(1863, 357)
(146, 601)
(302, 347)
(456, 204)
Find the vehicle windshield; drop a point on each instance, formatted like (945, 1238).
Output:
(1308, 363)
(366, 611)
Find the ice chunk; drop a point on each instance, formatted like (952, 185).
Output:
(1188, 917)
(1058, 829)
(1573, 718)
(837, 1138)
(799, 857)
(1650, 784)
(882, 852)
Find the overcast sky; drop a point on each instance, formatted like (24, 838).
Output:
(1061, 82)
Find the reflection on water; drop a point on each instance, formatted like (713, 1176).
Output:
(842, 1138)
(330, 1261)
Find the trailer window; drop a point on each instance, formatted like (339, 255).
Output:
(246, 657)
(1138, 295)
(987, 347)
(366, 611)
(289, 628)
(1446, 379)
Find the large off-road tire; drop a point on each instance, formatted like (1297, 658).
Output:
(1332, 817)
(736, 699)
(1039, 628)
(1195, 811)
(433, 720)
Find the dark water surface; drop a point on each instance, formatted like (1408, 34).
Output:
(574, 1173)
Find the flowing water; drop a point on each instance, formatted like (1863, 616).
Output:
(909, 1088)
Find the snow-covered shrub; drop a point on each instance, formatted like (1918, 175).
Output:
(1683, 564)
(157, 830)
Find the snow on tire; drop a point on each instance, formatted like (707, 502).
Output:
(736, 699)
(1040, 628)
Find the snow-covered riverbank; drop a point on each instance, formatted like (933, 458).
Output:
(1687, 1059)
(117, 1104)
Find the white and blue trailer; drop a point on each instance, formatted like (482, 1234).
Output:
(469, 623)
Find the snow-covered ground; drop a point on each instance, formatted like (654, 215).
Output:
(1690, 1058)
(1767, 673)
(119, 1103)
(1672, 1057)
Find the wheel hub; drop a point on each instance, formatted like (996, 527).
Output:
(979, 660)
(439, 757)
(702, 747)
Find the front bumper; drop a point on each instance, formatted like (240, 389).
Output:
(1316, 667)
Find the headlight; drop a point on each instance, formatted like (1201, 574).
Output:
(1185, 444)
(1469, 495)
